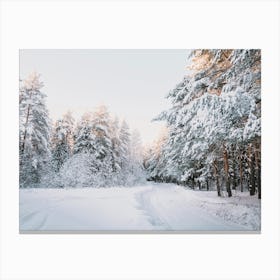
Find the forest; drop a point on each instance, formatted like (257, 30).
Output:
(97, 151)
(212, 139)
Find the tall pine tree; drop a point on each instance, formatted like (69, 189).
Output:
(34, 132)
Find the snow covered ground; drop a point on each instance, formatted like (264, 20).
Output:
(148, 207)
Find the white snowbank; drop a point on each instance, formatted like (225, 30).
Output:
(148, 207)
(241, 208)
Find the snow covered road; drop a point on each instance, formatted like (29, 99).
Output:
(148, 207)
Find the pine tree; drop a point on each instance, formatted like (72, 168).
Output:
(136, 158)
(213, 120)
(34, 132)
(62, 141)
(115, 130)
(124, 137)
(101, 125)
(93, 136)
(154, 161)
(84, 138)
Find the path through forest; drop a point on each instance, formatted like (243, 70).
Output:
(148, 207)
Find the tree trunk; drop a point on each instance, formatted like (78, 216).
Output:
(234, 185)
(259, 183)
(25, 131)
(252, 188)
(193, 184)
(258, 169)
(226, 167)
(26, 122)
(207, 185)
(217, 178)
(240, 171)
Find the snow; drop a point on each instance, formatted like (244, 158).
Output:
(241, 208)
(154, 206)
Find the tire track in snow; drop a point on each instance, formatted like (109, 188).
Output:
(28, 217)
(41, 215)
(37, 215)
(145, 204)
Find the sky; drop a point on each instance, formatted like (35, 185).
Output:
(132, 84)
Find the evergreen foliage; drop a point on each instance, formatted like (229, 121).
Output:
(34, 132)
(214, 125)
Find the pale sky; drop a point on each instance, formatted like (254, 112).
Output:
(131, 83)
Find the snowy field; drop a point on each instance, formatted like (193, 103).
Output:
(148, 207)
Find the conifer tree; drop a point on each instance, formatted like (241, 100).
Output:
(34, 132)
(62, 141)
(214, 120)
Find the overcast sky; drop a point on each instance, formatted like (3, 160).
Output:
(131, 83)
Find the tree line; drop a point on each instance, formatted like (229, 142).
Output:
(213, 138)
(97, 151)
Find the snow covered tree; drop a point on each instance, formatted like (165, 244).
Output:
(215, 115)
(68, 125)
(79, 171)
(62, 140)
(115, 130)
(84, 138)
(154, 159)
(93, 136)
(101, 125)
(136, 158)
(104, 150)
(34, 132)
(124, 148)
